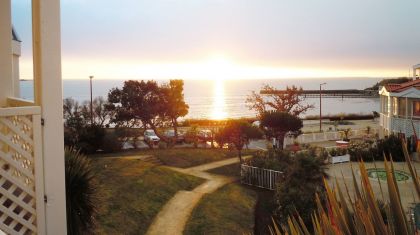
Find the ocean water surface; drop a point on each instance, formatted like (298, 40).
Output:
(226, 98)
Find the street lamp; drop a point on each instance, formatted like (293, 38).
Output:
(320, 106)
(91, 101)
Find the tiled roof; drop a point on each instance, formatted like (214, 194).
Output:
(403, 86)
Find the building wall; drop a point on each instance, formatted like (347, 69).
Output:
(16, 49)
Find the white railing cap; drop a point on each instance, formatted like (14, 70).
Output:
(16, 111)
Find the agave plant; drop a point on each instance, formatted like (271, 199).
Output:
(360, 214)
(80, 193)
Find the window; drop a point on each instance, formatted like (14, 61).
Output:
(401, 107)
(395, 106)
(416, 108)
(384, 102)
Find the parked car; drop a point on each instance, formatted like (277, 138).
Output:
(204, 135)
(170, 134)
(151, 137)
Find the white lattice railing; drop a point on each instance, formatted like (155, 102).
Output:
(400, 125)
(21, 170)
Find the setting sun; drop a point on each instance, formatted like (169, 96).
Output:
(219, 68)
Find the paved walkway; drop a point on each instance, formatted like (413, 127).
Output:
(174, 215)
(341, 173)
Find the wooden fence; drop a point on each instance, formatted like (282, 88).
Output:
(260, 177)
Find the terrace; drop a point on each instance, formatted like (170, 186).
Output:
(400, 107)
(32, 183)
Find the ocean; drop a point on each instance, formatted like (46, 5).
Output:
(226, 98)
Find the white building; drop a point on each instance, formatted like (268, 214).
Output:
(32, 183)
(400, 107)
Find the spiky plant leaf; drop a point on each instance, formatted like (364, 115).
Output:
(395, 202)
(80, 193)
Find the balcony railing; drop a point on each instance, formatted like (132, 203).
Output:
(21, 169)
(400, 125)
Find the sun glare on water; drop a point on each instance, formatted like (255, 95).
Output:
(219, 68)
(219, 107)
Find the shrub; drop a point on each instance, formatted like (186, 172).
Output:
(363, 150)
(162, 145)
(273, 159)
(80, 193)
(391, 146)
(334, 152)
(111, 143)
(303, 180)
(90, 139)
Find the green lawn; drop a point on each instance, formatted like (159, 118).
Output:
(229, 210)
(132, 192)
(265, 204)
(181, 157)
(232, 170)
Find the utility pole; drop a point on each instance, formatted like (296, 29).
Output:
(320, 106)
(91, 101)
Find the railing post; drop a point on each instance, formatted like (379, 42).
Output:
(46, 34)
(39, 174)
(6, 64)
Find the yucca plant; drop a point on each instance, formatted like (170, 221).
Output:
(80, 193)
(360, 214)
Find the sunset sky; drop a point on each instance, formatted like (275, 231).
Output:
(239, 39)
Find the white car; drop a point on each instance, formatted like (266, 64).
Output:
(170, 134)
(205, 135)
(151, 137)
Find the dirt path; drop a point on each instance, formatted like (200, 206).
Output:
(174, 215)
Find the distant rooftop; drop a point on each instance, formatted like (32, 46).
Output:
(403, 86)
(15, 36)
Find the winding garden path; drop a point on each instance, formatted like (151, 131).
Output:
(174, 215)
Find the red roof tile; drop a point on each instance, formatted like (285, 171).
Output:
(403, 86)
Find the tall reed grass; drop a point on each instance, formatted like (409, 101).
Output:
(347, 214)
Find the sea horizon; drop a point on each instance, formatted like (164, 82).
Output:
(226, 98)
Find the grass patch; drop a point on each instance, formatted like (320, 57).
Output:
(264, 211)
(232, 170)
(185, 158)
(229, 210)
(182, 157)
(132, 193)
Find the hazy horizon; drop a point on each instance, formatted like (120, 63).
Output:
(231, 39)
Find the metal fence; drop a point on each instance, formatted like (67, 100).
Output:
(260, 177)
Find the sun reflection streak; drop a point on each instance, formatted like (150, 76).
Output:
(219, 106)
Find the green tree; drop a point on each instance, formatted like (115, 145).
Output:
(221, 137)
(289, 101)
(101, 114)
(79, 132)
(239, 133)
(192, 135)
(277, 124)
(138, 103)
(146, 104)
(174, 103)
